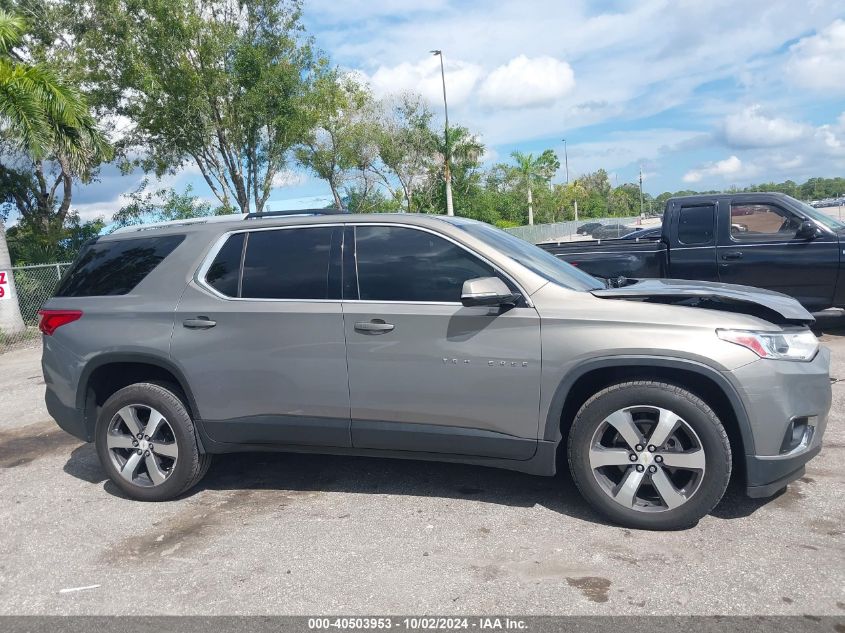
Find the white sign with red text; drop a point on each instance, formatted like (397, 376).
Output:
(4, 284)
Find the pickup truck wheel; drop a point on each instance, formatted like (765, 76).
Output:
(146, 442)
(649, 455)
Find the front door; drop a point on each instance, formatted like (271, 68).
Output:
(758, 246)
(425, 373)
(264, 351)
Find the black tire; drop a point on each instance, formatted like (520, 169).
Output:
(694, 411)
(191, 464)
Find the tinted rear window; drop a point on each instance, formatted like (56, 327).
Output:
(115, 267)
(695, 224)
(287, 264)
(224, 272)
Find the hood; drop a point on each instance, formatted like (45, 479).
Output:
(766, 304)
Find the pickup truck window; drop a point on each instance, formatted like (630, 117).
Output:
(532, 257)
(696, 224)
(755, 222)
(820, 216)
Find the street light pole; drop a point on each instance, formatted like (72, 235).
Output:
(447, 172)
(641, 191)
(566, 160)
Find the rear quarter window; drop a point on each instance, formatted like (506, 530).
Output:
(115, 267)
(696, 224)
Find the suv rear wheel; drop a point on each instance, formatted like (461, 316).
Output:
(649, 455)
(147, 444)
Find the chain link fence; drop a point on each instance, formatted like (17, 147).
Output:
(23, 290)
(564, 231)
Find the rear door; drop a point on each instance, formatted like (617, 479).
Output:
(259, 336)
(426, 373)
(692, 248)
(758, 246)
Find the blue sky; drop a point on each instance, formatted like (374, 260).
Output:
(702, 94)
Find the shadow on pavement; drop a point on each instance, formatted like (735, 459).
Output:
(374, 476)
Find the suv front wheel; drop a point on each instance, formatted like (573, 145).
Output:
(649, 455)
(146, 442)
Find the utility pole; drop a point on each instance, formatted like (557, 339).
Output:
(641, 191)
(566, 163)
(566, 160)
(447, 172)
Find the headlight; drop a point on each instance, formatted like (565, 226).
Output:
(800, 345)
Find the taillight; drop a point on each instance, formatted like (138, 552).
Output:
(51, 320)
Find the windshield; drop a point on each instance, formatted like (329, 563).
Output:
(532, 257)
(820, 216)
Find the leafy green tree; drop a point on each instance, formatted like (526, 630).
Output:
(28, 246)
(52, 138)
(223, 85)
(339, 148)
(43, 119)
(535, 171)
(625, 200)
(406, 146)
(466, 150)
(163, 205)
(364, 199)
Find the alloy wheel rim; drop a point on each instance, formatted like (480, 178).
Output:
(142, 445)
(647, 458)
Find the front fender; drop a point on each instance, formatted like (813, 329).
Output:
(552, 430)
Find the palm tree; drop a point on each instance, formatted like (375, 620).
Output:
(43, 117)
(534, 171)
(42, 114)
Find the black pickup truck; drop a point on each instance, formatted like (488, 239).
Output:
(768, 240)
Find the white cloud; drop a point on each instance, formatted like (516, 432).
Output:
(525, 83)
(831, 138)
(623, 151)
(490, 155)
(752, 128)
(424, 77)
(289, 178)
(817, 62)
(729, 167)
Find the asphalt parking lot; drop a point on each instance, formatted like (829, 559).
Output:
(305, 534)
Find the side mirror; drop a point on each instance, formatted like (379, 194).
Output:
(807, 231)
(487, 291)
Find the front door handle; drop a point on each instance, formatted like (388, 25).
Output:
(733, 255)
(376, 326)
(200, 323)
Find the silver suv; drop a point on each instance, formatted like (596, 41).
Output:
(427, 337)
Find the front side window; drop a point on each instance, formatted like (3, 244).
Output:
(403, 264)
(695, 224)
(287, 264)
(761, 222)
(527, 254)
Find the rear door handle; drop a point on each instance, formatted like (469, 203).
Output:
(376, 326)
(733, 255)
(200, 323)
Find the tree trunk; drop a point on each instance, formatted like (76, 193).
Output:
(338, 203)
(11, 321)
(530, 207)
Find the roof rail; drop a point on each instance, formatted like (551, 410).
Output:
(287, 212)
(226, 218)
(160, 225)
